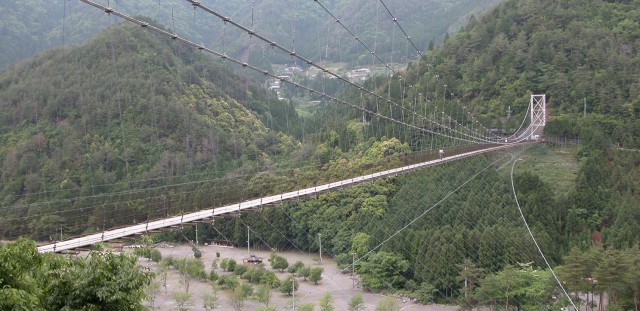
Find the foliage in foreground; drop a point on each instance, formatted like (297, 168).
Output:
(100, 281)
(597, 271)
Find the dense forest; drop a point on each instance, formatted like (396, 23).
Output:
(130, 127)
(123, 127)
(584, 56)
(127, 110)
(580, 53)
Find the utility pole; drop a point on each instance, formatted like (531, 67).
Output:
(320, 239)
(445, 93)
(293, 292)
(584, 110)
(196, 233)
(465, 283)
(248, 251)
(60, 233)
(364, 119)
(353, 270)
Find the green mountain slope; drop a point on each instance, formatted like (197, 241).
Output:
(132, 126)
(127, 110)
(585, 199)
(585, 56)
(574, 51)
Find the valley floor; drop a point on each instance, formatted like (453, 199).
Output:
(340, 285)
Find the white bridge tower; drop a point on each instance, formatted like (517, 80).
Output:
(538, 106)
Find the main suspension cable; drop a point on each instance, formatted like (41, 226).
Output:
(309, 62)
(178, 38)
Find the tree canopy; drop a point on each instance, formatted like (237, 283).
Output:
(101, 281)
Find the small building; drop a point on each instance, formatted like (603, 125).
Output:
(117, 247)
(358, 75)
(225, 243)
(251, 261)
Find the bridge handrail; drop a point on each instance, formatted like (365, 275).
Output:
(249, 204)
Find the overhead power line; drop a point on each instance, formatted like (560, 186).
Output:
(415, 47)
(389, 67)
(200, 47)
(292, 53)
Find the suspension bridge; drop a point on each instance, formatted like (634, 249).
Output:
(253, 204)
(470, 134)
(465, 135)
(463, 129)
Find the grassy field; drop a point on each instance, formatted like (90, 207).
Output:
(556, 166)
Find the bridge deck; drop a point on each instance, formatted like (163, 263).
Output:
(247, 205)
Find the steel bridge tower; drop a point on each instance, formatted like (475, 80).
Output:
(538, 106)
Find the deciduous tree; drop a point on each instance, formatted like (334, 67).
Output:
(326, 302)
(356, 303)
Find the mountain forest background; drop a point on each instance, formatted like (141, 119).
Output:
(121, 126)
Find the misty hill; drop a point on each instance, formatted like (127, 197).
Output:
(32, 26)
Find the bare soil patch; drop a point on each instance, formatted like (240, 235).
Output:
(341, 286)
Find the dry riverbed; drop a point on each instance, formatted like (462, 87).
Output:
(341, 286)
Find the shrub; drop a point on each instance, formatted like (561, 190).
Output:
(270, 279)
(295, 268)
(196, 252)
(213, 276)
(289, 285)
(228, 281)
(147, 252)
(425, 293)
(304, 272)
(240, 269)
(257, 275)
(155, 255)
(169, 261)
(246, 290)
(253, 275)
(228, 264)
(279, 263)
(316, 274)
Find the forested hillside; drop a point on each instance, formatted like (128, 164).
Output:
(150, 123)
(576, 52)
(126, 110)
(583, 55)
(32, 26)
(130, 127)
